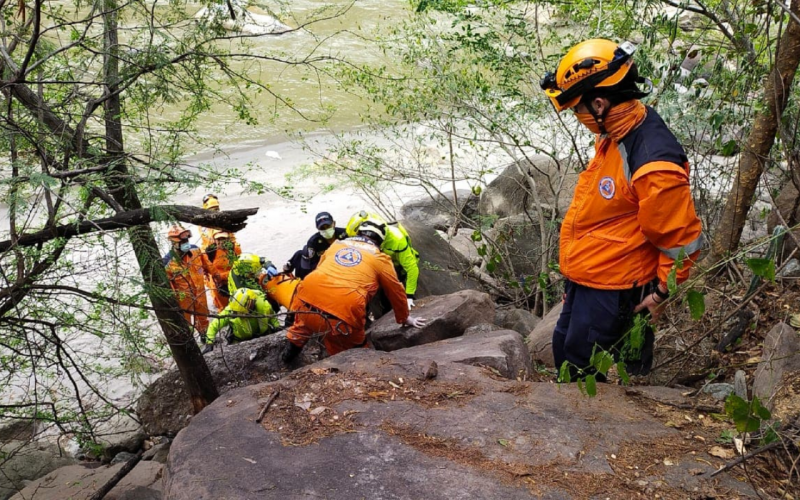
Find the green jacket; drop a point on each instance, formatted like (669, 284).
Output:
(245, 328)
(397, 245)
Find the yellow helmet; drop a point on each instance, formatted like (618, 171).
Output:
(244, 301)
(360, 218)
(247, 263)
(210, 202)
(595, 63)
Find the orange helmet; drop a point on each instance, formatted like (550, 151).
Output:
(178, 233)
(210, 201)
(592, 64)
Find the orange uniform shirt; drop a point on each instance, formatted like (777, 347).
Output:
(632, 213)
(348, 276)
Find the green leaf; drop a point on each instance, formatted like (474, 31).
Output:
(623, 373)
(502, 442)
(563, 373)
(591, 385)
(739, 411)
(764, 268)
(697, 304)
(672, 280)
(581, 387)
(760, 411)
(729, 148)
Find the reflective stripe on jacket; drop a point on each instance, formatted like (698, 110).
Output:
(348, 276)
(632, 213)
(397, 245)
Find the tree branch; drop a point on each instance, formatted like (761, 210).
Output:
(231, 220)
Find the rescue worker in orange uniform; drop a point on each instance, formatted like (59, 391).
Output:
(185, 265)
(332, 300)
(210, 202)
(632, 214)
(221, 255)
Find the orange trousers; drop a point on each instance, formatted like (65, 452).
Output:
(337, 336)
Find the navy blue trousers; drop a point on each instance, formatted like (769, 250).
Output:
(599, 317)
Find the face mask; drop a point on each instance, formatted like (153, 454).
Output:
(328, 233)
(185, 247)
(588, 121)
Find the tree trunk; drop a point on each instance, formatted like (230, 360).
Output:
(191, 364)
(755, 152)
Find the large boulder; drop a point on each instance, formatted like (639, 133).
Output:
(777, 378)
(510, 193)
(540, 340)
(502, 350)
(79, 482)
(519, 240)
(365, 424)
(439, 211)
(120, 433)
(441, 269)
(23, 461)
(448, 316)
(514, 318)
(164, 407)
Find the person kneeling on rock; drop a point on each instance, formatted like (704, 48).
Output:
(332, 300)
(247, 316)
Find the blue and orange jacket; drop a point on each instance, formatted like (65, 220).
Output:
(632, 213)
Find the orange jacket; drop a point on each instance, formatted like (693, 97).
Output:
(220, 263)
(348, 276)
(632, 213)
(186, 278)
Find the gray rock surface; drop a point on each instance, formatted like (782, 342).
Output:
(463, 435)
(481, 328)
(502, 350)
(463, 243)
(25, 461)
(519, 320)
(719, 391)
(448, 316)
(78, 482)
(441, 268)
(789, 209)
(777, 378)
(540, 340)
(509, 194)
(158, 453)
(740, 384)
(122, 457)
(438, 211)
(520, 243)
(121, 433)
(164, 407)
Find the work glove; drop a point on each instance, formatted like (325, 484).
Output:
(287, 268)
(272, 271)
(290, 351)
(415, 322)
(208, 348)
(410, 302)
